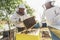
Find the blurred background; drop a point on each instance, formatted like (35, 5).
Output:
(34, 7)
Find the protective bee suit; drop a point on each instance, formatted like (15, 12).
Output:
(52, 17)
(17, 19)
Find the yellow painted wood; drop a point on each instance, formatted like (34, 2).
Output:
(32, 37)
(55, 31)
(27, 37)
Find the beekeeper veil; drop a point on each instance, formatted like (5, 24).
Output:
(47, 1)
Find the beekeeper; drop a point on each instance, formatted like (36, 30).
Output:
(51, 14)
(19, 16)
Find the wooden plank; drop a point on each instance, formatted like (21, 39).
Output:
(55, 31)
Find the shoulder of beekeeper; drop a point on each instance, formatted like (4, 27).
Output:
(15, 17)
(57, 9)
(57, 15)
(47, 15)
(51, 14)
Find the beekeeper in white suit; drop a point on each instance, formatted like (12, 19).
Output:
(19, 16)
(51, 14)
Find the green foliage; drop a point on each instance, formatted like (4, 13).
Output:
(1, 26)
(29, 10)
(10, 5)
(1, 14)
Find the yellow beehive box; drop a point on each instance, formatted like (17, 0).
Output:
(30, 36)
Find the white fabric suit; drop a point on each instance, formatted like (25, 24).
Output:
(52, 16)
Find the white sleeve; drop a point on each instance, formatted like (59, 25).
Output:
(26, 16)
(14, 18)
(43, 17)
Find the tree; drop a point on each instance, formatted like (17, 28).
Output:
(10, 5)
(29, 10)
